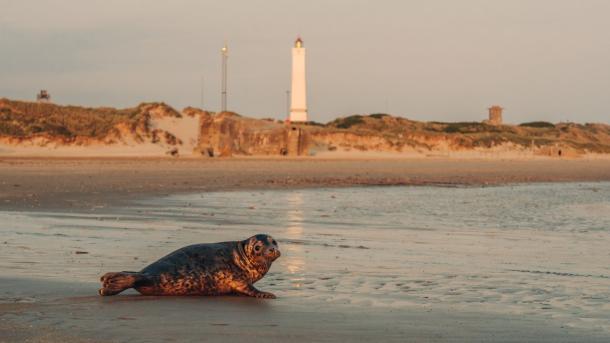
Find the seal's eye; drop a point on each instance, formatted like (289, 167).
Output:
(257, 248)
(274, 242)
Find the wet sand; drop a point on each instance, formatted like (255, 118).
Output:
(69, 313)
(39, 304)
(90, 183)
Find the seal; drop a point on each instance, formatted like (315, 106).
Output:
(202, 269)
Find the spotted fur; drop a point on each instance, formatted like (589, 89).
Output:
(202, 269)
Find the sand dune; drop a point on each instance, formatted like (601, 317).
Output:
(156, 129)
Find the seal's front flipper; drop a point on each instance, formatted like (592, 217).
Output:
(115, 283)
(251, 291)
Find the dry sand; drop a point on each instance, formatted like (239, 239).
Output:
(90, 183)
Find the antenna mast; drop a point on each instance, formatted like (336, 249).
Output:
(223, 101)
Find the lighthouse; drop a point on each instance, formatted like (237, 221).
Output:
(298, 99)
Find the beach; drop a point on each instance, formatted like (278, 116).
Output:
(90, 183)
(372, 249)
(332, 171)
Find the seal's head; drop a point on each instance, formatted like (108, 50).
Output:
(261, 249)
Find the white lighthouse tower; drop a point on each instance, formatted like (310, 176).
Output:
(298, 100)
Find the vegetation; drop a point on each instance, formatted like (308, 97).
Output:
(465, 127)
(398, 132)
(27, 119)
(357, 120)
(462, 127)
(378, 115)
(313, 123)
(347, 122)
(538, 124)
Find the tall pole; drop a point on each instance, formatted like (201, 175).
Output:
(202, 92)
(287, 104)
(223, 101)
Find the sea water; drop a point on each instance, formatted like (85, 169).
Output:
(532, 249)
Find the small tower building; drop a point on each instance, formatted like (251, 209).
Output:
(43, 96)
(495, 115)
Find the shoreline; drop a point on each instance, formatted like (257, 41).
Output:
(54, 311)
(89, 183)
(85, 184)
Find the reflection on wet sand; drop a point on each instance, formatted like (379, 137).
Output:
(294, 259)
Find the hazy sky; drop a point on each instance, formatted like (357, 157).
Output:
(427, 60)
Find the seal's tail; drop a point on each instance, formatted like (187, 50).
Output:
(115, 283)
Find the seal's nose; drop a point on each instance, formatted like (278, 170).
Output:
(274, 252)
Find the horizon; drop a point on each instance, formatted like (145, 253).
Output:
(542, 61)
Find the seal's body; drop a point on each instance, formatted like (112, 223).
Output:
(202, 269)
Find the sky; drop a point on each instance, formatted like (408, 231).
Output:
(427, 60)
